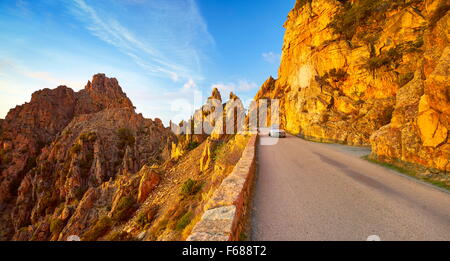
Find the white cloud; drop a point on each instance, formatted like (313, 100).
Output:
(224, 88)
(246, 86)
(167, 46)
(271, 57)
(15, 68)
(18, 82)
(240, 86)
(189, 85)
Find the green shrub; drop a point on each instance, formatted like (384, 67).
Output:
(351, 16)
(6, 158)
(218, 150)
(79, 192)
(88, 136)
(76, 148)
(86, 162)
(300, 3)
(47, 203)
(31, 163)
(142, 219)
(184, 221)
(192, 145)
(335, 75)
(125, 208)
(99, 229)
(389, 59)
(321, 81)
(118, 236)
(126, 137)
(56, 226)
(190, 187)
(365, 17)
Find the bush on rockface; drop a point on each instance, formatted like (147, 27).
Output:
(192, 145)
(76, 148)
(126, 137)
(56, 226)
(78, 192)
(99, 229)
(47, 203)
(191, 187)
(184, 221)
(301, 3)
(85, 163)
(144, 218)
(365, 18)
(336, 74)
(391, 58)
(333, 75)
(119, 236)
(88, 136)
(125, 208)
(5, 158)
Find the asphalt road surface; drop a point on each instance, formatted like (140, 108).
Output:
(313, 191)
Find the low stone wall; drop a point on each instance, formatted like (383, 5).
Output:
(225, 213)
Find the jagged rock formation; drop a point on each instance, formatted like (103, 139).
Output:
(214, 120)
(203, 155)
(66, 151)
(368, 73)
(84, 163)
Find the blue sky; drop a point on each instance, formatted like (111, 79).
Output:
(163, 52)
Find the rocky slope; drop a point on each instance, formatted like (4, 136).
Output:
(85, 164)
(368, 72)
(64, 150)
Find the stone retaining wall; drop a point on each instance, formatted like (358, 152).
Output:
(225, 213)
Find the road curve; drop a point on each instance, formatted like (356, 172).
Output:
(313, 191)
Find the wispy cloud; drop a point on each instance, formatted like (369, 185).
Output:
(271, 57)
(13, 67)
(189, 85)
(18, 82)
(163, 49)
(240, 86)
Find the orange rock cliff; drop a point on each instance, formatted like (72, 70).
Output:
(366, 73)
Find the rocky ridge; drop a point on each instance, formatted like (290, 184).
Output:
(84, 163)
(65, 149)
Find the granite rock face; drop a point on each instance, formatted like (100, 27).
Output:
(65, 151)
(368, 73)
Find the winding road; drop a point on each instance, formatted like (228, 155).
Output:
(314, 191)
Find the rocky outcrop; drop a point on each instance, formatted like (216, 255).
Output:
(363, 73)
(101, 93)
(30, 127)
(65, 151)
(232, 120)
(149, 180)
(418, 131)
(212, 122)
(226, 212)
